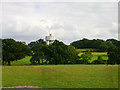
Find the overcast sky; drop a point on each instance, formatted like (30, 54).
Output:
(67, 21)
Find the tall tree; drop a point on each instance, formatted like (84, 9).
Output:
(56, 53)
(86, 57)
(33, 45)
(114, 55)
(13, 50)
(113, 41)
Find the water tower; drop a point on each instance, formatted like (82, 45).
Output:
(49, 39)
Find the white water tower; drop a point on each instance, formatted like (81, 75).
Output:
(49, 39)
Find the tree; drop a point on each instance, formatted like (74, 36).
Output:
(40, 53)
(0, 51)
(84, 59)
(103, 46)
(86, 43)
(113, 41)
(99, 60)
(64, 54)
(56, 53)
(13, 50)
(33, 45)
(114, 55)
(37, 57)
(72, 55)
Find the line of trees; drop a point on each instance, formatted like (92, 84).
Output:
(56, 53)
(111, 46)
(97, 44)
(59, 53)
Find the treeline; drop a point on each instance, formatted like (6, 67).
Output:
(56, 53)
(111, 46)
(59, 53)
(97, 44)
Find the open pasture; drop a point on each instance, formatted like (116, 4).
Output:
(96, 54)
(102, 54)
(61, 76)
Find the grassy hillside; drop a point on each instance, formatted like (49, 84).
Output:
(94, 54)
(83, 50)
(61, 76)
(24, 61)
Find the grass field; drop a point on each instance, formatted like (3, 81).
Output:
(83, 50)
(96, 54)
(102, 54)
(61, 76)
(21, 73)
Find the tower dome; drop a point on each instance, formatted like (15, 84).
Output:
(49, 39)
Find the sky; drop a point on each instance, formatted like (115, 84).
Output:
(67, 21)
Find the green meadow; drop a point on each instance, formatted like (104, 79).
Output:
(61, 76)
(96, 54)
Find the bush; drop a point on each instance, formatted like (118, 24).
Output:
(85, 58)
(99, 60)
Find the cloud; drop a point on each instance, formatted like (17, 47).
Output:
(66, 21)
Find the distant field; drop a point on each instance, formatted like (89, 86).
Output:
(24, 61)
(96, 54)
(61, 76)
(83, 50)
(102, 54)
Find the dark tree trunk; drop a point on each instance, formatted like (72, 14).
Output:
(42, 61)
(9, 64)
(2, 62)
(38, 61)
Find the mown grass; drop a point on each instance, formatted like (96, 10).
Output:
(61, 76)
